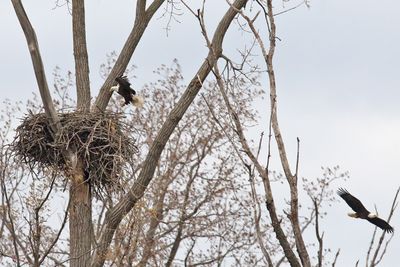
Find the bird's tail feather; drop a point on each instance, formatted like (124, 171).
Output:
(352, 214)
(137, 101)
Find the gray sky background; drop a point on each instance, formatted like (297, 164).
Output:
(337, 68)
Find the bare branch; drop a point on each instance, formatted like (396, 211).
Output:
(297, 159)
(257, 217)
(384, 250)
(267, 187)
(305, 2)
(292, 180)
(336, 257)
(11, 222)
(140, 8)
(37, 64)
(154, 222)
(374, 261)
(37, 232)
(371, 246)
(141, 21)
(55, 240)
(80, 55)
(115, 215)
(317, 234)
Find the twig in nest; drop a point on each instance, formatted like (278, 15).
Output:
(101, 141)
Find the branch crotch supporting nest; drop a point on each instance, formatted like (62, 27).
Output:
(100, 145)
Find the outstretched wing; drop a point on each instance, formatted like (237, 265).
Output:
(381, 224)
(123, 81)
(352, 201)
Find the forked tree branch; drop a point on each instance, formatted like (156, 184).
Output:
(375, 259)
(37, 64)
(292, 179)
(275, 221)
(11, 225)
(7, 214)
(289, 254)
(371, 246)
(57, 237)
(155, 220)
(36, 230)
(257, 217)
(80, 55)
(142, 19)
(183, 210)
(320, 237)
(118, 212)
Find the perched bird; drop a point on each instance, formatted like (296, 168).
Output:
(124, 89)
(361, 212)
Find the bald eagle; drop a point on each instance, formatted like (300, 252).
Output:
(361, 212)
(124, 89)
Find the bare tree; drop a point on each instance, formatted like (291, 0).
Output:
(301, 258)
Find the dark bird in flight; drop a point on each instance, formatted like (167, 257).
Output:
(124, 89)
(361, 212)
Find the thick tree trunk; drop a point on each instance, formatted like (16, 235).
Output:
(81, 56)
(80, 212)
(80, 219)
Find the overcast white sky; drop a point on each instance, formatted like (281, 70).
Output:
(337, 68)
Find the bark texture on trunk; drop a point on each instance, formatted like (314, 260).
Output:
(80, 212)
(80, 219)
(80, 55)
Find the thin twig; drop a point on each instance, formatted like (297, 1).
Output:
(55, 240)
(317, 234)
(336, 257)
(292, 8)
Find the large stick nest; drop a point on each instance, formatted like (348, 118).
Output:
(100, 141)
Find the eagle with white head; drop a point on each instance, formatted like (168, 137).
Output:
(124, 89)
(361, 212)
